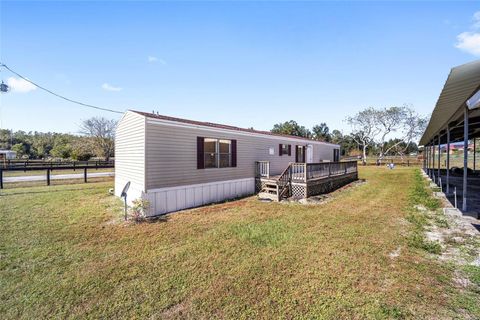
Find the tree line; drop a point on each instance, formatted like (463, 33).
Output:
(371, 132)
(95, 139)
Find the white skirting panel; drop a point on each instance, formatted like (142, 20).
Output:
(172, 199)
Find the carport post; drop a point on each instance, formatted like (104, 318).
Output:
(433, 159)
(425, 159)
(465, 159)
(448, 160)
(474, 152)
(429, 161)
(439, 154)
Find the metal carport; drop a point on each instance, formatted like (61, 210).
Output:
(455, 118)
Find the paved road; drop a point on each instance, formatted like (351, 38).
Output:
(57, 177)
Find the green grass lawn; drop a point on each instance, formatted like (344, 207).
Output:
(64, 252)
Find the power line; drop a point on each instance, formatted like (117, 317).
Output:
(58, 95)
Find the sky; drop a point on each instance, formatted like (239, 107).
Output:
(248, 64)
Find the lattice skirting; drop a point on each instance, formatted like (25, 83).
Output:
(299, 191)
(259, 185)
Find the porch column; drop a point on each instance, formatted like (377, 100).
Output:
(439, 155)
(465, 159)
(448, 160)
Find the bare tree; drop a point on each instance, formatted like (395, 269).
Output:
(372, 127)
(412, 127)
(389, 120)
(364, 129)
(102, 131)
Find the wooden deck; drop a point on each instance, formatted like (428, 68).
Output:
(303, 180)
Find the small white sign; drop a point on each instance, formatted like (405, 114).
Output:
(271, 151)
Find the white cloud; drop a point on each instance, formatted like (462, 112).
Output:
(20, 85)
(109, 87)
(476, 20)
(469, 42)
(153, 59)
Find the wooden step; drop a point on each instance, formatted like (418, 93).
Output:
(266, 195)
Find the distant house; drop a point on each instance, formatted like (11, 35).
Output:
(8, 155)
(178, 163)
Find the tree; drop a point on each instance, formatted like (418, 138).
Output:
(364, 129)
(102, 132)
(20, 149)
(291, 128)
(321, 132)
(388, 120)
(413, 126)
(371, 127)
(82, 149)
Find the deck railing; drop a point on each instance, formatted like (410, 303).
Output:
(262, 169)
(303, 172)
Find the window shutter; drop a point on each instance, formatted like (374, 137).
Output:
(303, 153)
(289, 149)
(296, 153)
(200, 153)
(280, 149)
(234, 153)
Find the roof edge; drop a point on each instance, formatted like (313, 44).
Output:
(225, 127)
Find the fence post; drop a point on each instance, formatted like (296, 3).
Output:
(85, 175)
(48, 177)
(1, 178)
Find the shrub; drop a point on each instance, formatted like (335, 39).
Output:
(139, 209)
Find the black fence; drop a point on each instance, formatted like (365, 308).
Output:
(49, 166)
(19, 165)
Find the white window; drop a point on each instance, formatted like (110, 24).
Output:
(218, 153)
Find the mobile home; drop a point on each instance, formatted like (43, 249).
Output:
(178, 163)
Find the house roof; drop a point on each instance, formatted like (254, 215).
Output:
(222, 126)
(462, 82)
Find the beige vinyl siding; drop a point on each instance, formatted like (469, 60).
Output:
(130, 154)
(171, 155)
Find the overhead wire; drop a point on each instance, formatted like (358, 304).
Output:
(58, 95)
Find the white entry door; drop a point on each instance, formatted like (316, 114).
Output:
(309, 153)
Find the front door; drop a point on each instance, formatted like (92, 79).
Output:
(309, 153)
(336, 155)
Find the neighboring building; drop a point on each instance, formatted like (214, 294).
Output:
(8, 155)
(177, 163)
